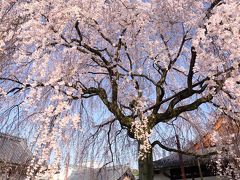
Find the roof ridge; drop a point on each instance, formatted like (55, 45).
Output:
(9, 136)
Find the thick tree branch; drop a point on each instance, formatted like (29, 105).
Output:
(174, 112)
(212, 6)
(190, 73)
(169, 149)
(159, 89)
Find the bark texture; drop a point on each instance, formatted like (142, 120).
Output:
(146, 167)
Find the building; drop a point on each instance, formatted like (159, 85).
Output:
(14, 157)
(105, 173)
(168, 168)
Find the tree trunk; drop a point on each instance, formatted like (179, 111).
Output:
(146, 167)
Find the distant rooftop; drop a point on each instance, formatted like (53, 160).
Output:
(14, 150)
(172, 161)
(106, 173)
(11, 137)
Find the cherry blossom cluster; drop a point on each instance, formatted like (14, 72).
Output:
(142, 134)
(227, 160)
(218, 41)
(140, 128)
(56, 118)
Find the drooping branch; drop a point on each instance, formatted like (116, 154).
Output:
(182, 152)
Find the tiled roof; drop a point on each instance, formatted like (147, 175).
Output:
(107, 173)
(14, 150)
(172, 161)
